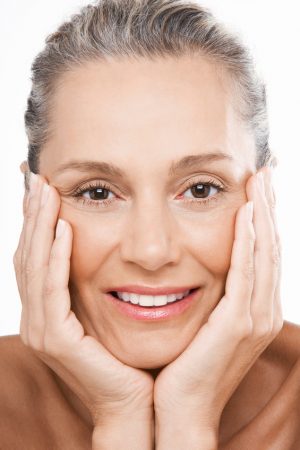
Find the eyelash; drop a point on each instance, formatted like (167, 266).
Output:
(77, 195)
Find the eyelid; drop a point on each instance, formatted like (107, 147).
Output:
(212, 183)
(205, 178)
(77, 194)
(90, 185)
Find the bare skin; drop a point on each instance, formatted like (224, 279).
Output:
(269, 390)
(110, 111)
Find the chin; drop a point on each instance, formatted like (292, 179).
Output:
(153, 357)
(146, 362)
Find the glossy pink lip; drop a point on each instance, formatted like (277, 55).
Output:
(153, 313)
(145, 290)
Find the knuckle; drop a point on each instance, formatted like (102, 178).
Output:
(274, 254)
(33, 269)
(29, 269)
(30, 215)
(248, 270)
(275, 257)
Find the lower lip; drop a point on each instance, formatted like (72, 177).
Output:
(138, 312)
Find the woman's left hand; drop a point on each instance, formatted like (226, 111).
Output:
(195, 388)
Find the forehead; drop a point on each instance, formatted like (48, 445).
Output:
(131, 108)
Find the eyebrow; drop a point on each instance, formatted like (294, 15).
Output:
(91, 166)
(192, 160)
(186, 162)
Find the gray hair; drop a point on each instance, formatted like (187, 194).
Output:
(144, 28)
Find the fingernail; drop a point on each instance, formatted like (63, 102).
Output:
(45, 194)
(60, 228)
(33, 180)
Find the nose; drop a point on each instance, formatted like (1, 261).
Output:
(151, 239)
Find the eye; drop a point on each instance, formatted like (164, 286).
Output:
(98, 193)
(95, 195)
(202, 190)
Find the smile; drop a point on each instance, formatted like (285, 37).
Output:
(150, 300)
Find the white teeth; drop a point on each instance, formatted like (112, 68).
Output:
(134, 298)
(151, 300)
(126, 297)
(171, 298)
(160, 300)
(146, 300)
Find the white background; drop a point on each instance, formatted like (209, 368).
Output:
(270, 28)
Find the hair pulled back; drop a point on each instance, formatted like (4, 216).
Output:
(109, 29)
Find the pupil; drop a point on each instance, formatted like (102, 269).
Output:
(99, 194)
(199, 190)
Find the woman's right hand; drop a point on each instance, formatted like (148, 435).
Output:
(109, 389)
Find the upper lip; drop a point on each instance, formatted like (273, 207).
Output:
(148, 290)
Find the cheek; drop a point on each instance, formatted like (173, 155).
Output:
(210, 241)
(208, 238)
(94, 239)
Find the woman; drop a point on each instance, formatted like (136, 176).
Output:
(149, 261)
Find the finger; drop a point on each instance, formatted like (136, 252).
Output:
(17, 260)
(57, 302)
(265, 261)
(278, 315)
(40, 249)
(20, 258)
(240, 278)
(26, 269)
(17, 266)
(30, 218)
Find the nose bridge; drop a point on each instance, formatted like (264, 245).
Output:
(150, 239)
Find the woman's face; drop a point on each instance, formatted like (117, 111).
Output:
(148, 227)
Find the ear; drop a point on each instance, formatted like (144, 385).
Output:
(24, 167)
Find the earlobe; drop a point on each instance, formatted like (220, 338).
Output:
(24, 167)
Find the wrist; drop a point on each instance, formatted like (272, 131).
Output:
(129, 433)
(184, 432)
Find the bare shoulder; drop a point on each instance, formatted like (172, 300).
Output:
(33, 410)
(285, 348)
(20, 369)
(22, 376)
(265, 409)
